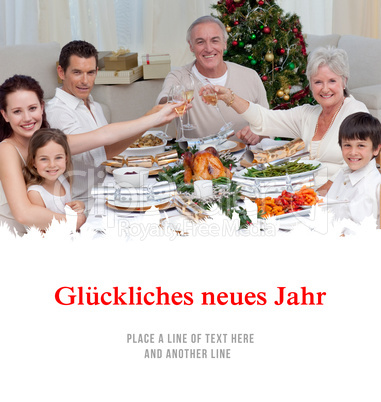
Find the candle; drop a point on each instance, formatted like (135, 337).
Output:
(203, 188)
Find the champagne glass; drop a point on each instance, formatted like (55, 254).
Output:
(165, 136)
(210, 97)
(179, 96)
(188, 82)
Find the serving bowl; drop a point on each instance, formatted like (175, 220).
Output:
(147, 151)
(131, 176)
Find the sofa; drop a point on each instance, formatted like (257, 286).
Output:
(364, 56)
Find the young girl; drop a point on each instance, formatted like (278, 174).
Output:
(21, 114)
(49, 159)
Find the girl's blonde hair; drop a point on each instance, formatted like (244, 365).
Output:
(39, 139)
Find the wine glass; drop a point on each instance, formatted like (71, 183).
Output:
(164, 135)
(210, 97)
(188, 82)
(179, 96)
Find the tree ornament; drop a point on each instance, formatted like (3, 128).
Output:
(280, 93)
(269, 56)
(271, 42)
(232, 5)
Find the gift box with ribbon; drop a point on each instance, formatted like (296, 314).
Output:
(120, 67)
(120, 60)
(156, 66)
(119, 77)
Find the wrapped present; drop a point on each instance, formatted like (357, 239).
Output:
(115, 162)
(119, 77)
(121, 60)
(143, 161)
(101, 58)
(156, 66)
(147, 161)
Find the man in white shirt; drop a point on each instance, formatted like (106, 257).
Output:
(207, 38)
(74, 111)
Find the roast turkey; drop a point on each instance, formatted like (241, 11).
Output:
(204, 165)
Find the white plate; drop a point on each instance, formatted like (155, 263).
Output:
(273, 191)
(147, 151)
(286, 221)
(226, 146)
(283, 178)
(302, 212)
(267, 143)
(139, 206)
(154, 170)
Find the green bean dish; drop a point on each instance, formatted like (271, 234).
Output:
(294, 167)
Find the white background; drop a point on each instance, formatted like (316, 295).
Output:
(80, 353)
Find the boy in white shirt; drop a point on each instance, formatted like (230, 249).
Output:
(359, 182)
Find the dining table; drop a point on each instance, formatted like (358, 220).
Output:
(108, 217)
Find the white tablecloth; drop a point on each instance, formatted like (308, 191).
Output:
(102, 218)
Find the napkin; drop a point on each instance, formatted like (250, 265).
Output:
(268, 143)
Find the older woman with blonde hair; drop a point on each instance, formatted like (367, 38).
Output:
(317, 125)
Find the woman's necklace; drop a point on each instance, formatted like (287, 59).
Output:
(316, 155)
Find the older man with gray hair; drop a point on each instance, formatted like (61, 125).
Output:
(207, 38)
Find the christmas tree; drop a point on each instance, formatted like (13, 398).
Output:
(262, 37)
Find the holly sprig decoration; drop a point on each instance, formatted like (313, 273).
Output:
(228, 198)
(226, 193)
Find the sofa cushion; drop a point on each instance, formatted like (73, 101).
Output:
(37, 61)
(364, 60)
(315, 41)
(370, 95)
(106, 111)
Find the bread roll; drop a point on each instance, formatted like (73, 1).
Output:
(284, 151)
